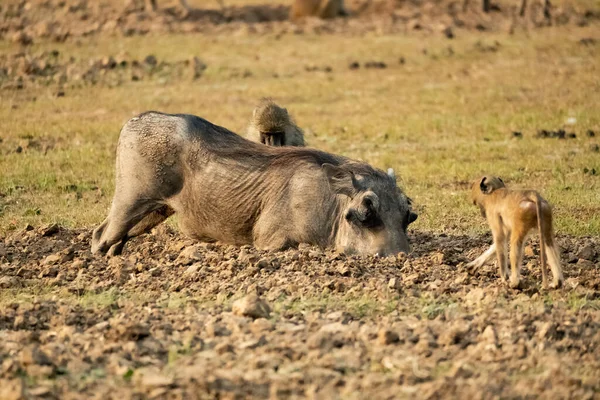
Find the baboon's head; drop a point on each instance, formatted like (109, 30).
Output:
(484, 186)
(268, 117)
(271, 121)
(375, 214)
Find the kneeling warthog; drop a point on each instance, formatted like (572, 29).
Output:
(227, 188)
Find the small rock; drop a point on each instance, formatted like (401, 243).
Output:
(489, 335)
(223, 348)
(22, 38)
(12, 389)
(529, 252)
(151, 60)
(189, 255)
(586, 252)
(52, 259)
(585, 263)
(375, 65)
(595, 148)
(7, 282)
(34, 356)
(393, 284)
(517, 135)
(385, 337)
(448, 32)
(354, 65)
(151, 379)
(108, 62)
(192, 269)
(251, 306)
(474, 297)
(590, 133)
(49, 230)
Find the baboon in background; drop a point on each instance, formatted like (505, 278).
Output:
(511, 215)
(318, 8)
(274, 126)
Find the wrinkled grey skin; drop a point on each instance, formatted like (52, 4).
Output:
(227, 188)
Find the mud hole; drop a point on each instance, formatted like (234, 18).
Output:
(173, 318)
(28, 21)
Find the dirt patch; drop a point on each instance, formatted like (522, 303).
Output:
(172, 316)
(27, 21)
(50, 68)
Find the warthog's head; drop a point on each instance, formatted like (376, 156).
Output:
(374, 213)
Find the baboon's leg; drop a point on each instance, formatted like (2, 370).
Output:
(553, 259)
(501, 253)
(483, 258)
(517, 240)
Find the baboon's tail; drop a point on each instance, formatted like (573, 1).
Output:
(536, 198)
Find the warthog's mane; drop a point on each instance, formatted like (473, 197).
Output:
(229, 146)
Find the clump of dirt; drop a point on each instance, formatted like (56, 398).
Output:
(58, 20)
(557, 134)
(23, 69)
(180, 318)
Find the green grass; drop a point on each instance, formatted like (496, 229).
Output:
(440, 120)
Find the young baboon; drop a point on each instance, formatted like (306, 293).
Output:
(274, 126)
(318, 8)
(512, 214)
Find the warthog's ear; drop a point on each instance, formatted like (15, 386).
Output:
(412, 217)
(340, 180)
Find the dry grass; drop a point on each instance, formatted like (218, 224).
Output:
(441, 119)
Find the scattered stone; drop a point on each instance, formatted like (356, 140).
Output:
(251, 306)
(189, 255)
(448, 32)
(151, 61)
(385, 337)
(587, 252)
(375, 65)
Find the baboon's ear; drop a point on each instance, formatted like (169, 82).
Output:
(340, 180)
(485, 189)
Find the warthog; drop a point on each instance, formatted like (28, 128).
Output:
(227, 188)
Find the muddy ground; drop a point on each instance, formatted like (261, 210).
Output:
(165, 320)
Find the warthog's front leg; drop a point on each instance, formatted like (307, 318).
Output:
(112, 234)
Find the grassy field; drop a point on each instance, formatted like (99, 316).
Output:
(441, 119)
